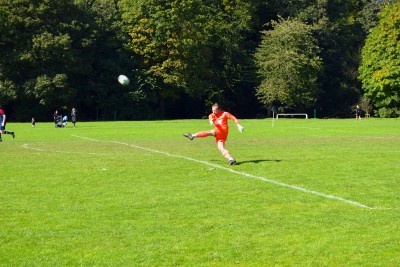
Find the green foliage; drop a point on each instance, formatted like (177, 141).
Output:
(42, 42)
(380, 67)
(339, 36)
(289, 65)
(191, 51)
(191, 45)
(45, 87)
(60, 54)
(369, 13)
(7, 91)
(162, 35)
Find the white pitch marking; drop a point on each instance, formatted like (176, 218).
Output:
(237, 172)
(26, 146)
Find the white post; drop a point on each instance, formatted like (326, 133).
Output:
(273, 118)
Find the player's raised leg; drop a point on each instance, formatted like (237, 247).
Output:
(200, 134)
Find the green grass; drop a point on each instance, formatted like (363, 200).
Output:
(102, 201)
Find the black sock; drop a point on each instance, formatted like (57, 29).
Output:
(7, 132)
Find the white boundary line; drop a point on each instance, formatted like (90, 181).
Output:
(236, 172)
(26, 146)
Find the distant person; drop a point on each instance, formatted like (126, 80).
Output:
(219, 119)
(58, 121)
(3, 123)
(55, 116)
(73, 116)
(358, 113)
(33, 122)
(64, 121)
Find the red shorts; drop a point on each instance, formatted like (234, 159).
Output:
(220, 136)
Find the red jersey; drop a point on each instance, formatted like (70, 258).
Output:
(220, 121)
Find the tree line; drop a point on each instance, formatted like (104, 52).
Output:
(183, 55)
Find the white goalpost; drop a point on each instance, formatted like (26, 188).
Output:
(292, 114)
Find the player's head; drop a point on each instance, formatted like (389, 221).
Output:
(215, 108)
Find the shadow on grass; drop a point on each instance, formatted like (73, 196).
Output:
(256, 161)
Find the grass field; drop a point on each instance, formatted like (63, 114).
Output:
(304, 193)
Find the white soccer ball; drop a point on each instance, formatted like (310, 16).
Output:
(122, 79)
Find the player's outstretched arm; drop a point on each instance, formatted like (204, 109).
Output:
(234, 119)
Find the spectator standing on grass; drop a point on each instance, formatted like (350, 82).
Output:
(3, 123)
(219, 119)
(33, 122)
(358, 113)
(55, 116)
(73, 116)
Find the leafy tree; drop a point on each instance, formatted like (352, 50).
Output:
(60, 54)
(190, 46)
(289, 65)
(181, 54)
(369, 13)
(44, 52)
(380, 67)
(339, 37)
(159, 31)
(108, 58)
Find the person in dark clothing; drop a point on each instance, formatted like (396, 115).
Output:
(3, 123)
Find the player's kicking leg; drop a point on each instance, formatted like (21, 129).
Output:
(199, 134)
(188, 135)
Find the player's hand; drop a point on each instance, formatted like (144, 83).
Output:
(240, 128)
(211, 122)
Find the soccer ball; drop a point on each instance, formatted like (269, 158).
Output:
(122, 79)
